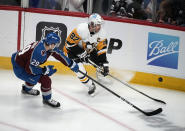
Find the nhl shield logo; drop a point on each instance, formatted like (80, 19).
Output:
(43, 28)
(48, 30)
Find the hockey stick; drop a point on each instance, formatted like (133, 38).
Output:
(155, 112)
(126, 84)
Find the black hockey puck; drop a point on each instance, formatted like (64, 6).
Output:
(160, 79)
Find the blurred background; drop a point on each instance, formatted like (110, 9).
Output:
(157, 11)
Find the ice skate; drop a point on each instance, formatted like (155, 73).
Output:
(51, 103)
(33, 92)
(92, 89)
(102, 79)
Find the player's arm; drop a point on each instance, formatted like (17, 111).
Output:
(59, 55)
(101, 51)
(73, 39)
(102, 58)
(75, 45)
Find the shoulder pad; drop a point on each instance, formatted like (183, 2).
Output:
(83, 30)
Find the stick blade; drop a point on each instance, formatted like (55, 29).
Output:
(159, 110)
(159, 101)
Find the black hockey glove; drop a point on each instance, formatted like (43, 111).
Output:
(105, 69)
(84, 57)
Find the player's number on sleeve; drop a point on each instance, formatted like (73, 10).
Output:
(34, 62)
(74, 37)
(25, 49)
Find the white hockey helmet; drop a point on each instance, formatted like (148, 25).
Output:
(95, 19)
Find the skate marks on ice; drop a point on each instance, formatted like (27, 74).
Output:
(116, 112)
(159, 122)
(95, 110)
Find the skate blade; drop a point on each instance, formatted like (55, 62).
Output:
(92, 95)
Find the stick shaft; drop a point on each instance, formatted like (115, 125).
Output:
(126, 84)
(137, 108)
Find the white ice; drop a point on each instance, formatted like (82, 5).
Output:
(80, 112)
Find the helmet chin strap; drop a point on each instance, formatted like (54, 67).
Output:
(92, 29)
(92, 33)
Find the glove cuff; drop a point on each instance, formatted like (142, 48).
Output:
(72, 64)
(105, 64)
(45, 70)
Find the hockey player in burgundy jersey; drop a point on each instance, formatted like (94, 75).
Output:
(26, 66)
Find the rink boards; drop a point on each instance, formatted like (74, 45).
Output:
(153, 52)
(134, 77)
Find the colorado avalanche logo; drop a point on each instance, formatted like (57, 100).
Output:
(43, 52)
(47, 30)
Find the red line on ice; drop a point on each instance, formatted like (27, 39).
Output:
(94, 110)
(13, 126)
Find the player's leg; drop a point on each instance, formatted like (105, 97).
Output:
(46, 91)
(30, 80)
(85, 80)
(27, 88)
(101, 78)
(97, 61)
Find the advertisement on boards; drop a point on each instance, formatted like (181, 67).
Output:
(163, 50)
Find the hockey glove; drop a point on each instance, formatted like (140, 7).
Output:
(105, 69)
(48, 70)
(84, 57)
(74, 67)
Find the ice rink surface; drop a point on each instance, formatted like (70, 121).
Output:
(80, 112)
